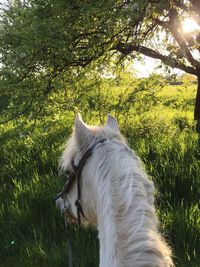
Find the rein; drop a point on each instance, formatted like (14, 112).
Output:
(75, 175)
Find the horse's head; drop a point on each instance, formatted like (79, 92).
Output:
(107, 181)
(83, 139)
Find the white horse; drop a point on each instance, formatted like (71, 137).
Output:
(116, 195)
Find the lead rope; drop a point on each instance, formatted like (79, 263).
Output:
(69, 243)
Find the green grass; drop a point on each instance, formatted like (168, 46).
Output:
(31, 229)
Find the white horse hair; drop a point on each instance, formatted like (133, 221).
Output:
(117, 196)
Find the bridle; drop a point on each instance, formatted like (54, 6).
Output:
(71, 178)
(76, 175)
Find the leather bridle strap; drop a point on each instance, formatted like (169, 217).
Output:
(76, 175)
(77, 171)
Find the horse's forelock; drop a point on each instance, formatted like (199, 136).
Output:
(68, 154)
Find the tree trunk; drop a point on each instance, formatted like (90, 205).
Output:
(197, 106)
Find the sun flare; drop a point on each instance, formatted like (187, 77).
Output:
(189, 25)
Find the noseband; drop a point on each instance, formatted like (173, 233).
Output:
(76, 175)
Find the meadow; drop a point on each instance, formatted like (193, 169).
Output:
(157, 120)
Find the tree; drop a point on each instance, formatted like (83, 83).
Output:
(43, 40)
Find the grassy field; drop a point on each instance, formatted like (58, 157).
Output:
(159, 127)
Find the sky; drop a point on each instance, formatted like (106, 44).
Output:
(145, 68)
(148, 66)
(2, 2)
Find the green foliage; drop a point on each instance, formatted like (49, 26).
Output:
(32, 230)
(45, 45)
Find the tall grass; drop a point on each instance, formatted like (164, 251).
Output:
(31, 229)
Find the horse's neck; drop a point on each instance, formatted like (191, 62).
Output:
(128, 225)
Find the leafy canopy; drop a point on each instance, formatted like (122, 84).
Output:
(44, 41)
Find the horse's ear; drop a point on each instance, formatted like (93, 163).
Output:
(82, 132)
(112, 123)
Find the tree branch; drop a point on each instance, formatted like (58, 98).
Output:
(19, 114)
(127, 49)
(173, 25)
(182, 6)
